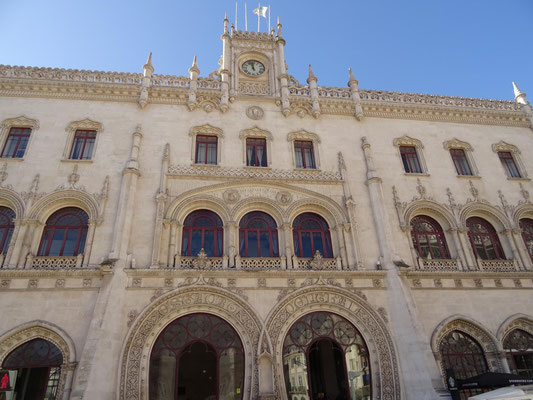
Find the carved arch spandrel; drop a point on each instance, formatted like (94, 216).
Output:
(135, 356)
(522, 211)
(384, 363)
(486, 211)
(47, 205)
(21, 334)
(11, 199)
(430, 208)
(516, 321)
(488, 342)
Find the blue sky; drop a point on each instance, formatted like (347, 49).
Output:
(472, 48)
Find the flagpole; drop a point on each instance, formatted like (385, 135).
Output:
(236, 19)
(258, 16)
(269, 18)
(245, 18)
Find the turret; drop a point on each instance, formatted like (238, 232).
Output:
(283, 77)
(519, 97)
(354, 91)
(313, 90)
(193, 85)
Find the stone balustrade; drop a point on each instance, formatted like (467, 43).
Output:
(438, 264)
(497, 265)
(58, 262)
(260, 263)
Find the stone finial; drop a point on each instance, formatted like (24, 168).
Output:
(148, 66)
(279, 28)
(194, 66)
(226, 21)
(312, 76)
(519, 97)
(352, 78)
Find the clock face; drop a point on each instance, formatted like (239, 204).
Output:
(253, 68)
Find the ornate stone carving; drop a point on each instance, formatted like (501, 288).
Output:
(231, 196)
(87, 282)
(303, 135)
(85, 124)
(60, 283)
(478, 283)
(457, 144)
(255, 132)
(416, 283)
(206, 130)
(458, 283)
(255, 112)
(33, 283)
(144, 331)
(377, 283)
(437, 282)
(136, 282)
(284, 198)
(407, 141)
(131, 317)
(169, 282)
(524, 193)
(517, 283)
(202, 262)
(498, 283)
(254, 88)
(504, 146)
(261, 282)
(5, 283)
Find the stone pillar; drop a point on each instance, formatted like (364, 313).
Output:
(356, 98)
(412, 344)
(313, 91)
(31, 226)
(283, 77)
(516, 246)
(89, 243)
(414, 253)
(17, 240)
(286, 228)
(342, 247)
(193, 85)
(231, 232)
(519, 242)
(458, 247)
(357, 250)
(68, 370)
(146, 82)
(126, 202)
(158, 229)
(224, 71)
(172, 243)
(467, 249)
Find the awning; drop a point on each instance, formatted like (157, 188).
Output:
(493, 379)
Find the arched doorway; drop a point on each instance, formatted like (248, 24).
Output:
(35, 370)
(325, 357)
(197, 357)
(518, 345)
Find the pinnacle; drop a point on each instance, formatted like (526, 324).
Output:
(149, 60)
(351, 74)
(516, 90)
(311, 75)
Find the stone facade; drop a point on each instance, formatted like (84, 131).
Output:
(105, 307)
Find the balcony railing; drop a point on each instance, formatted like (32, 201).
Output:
(45, 262)
(438, 264)
(260, 263)
(497, 265)
(201, 262)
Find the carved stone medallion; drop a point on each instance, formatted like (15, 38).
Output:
(255, 112)
(284, 198)
(231, 196)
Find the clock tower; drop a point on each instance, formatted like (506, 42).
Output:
(253, 63)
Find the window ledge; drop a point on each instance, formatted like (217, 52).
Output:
(257, 168)
(416, 174)
(68, 160)
(307, 169)
(469, 176)
(519, 179)
(11, 159)
(205, 165)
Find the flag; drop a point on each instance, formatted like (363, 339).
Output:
(261, 11)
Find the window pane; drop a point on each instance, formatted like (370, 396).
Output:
(9, 149)
(185, 251)
(435, 248)
(424, 247)
(264, 244)
(88, 152)
(70, 243)
(275, 252)
(252, 244)
(212, 153)
(309, 161)
(298, 157)
(76, 149)
(196, 243)
(209, 242)
(307, 250)
(200, 153)
(317, 243)
(22, 147)
(57, 242)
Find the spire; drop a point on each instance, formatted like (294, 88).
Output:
(194, 66)
(279, 28)
(519, 97)
(148, 66)
(352, 77)
(312, 76)
(226, 21)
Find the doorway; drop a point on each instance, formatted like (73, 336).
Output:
(197, 372)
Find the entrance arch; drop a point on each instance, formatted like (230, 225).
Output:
(384, 374)
(325, 356)
(199, 297)
(198, 356)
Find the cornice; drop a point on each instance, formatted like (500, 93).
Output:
(18, 81)
(467, 275)
(56, 273)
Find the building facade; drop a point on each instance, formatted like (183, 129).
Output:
(247, 236)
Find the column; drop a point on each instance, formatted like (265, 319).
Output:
(172, 244)
(414, 253)
(471, 262)
(89, 243)
(13, 252)
(231, 231)
(458, 247)
(286, 228)
(342, 247)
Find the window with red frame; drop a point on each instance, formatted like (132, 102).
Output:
(7, 227)
(526, 225)
(311, 233)
(256, 153)
(16, 142)
(518, 345)
(65, 233)
(411, 163)
(509, 164)
(202, 229)
(428, 238)
(304, 154)
(258, 235)
(484, 239)
(206, 149)
(461, 162)
(83, 145)
(464, 355)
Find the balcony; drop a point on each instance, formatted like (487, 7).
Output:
(497, 265)
(438, 264)
(50, 263)
(260, 263)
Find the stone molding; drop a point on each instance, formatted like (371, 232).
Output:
(504, 146)
(408, 141)
(155, 317)
(167, 89)
(21, 122)
(516, 321)
(457, 144)
(302, 134)
(384, 363)
(206, 130)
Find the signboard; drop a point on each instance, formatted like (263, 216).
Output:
(5, 381)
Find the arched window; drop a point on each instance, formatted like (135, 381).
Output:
(65, 233)
(258, 235)
(311, 233)
(428, 238)
(6, 227)
(324, 356)
(464, 355)
(526, 225)
(197, 356)
(484, 239)
(518, 345)
(202, 230)
(38, 365)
